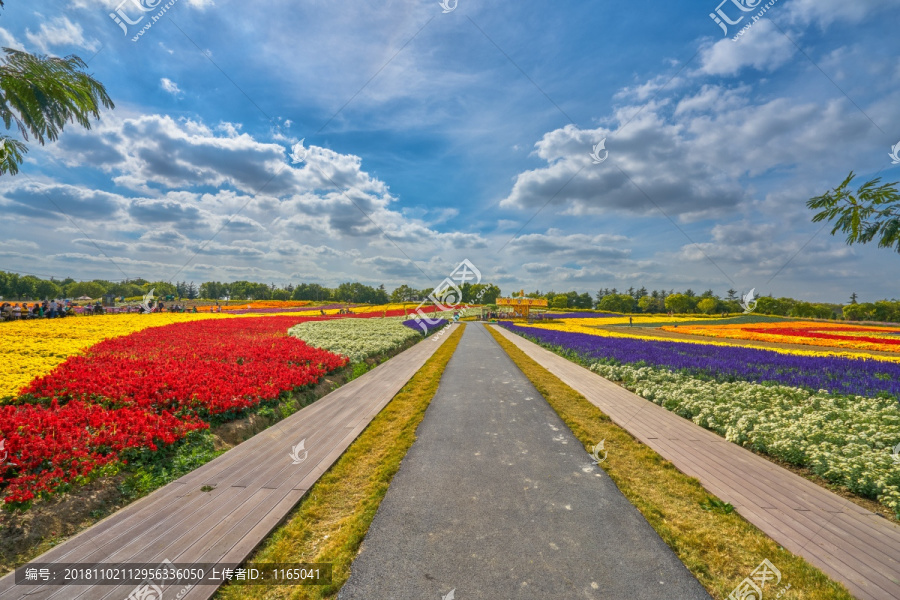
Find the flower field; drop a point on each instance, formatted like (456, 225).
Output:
(885, 339)
(95, 389)
(838, 416)
(145, 389)
(835, 374)
(844, 439)
(29, 349)
(356, 339)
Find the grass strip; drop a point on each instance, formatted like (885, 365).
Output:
(329, 524)
(716, 544)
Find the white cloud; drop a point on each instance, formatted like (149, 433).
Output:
(826, 12)
(61, 32)
(762, 47)
(650, 168)
(170, 86)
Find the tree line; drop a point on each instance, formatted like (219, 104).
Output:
(664, 301)
(14, 286)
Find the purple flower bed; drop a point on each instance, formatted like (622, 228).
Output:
(579, 316)
(417, 325)
(728, 363)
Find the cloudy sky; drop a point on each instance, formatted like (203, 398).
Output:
(283, 141)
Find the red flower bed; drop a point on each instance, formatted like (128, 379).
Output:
(147, 389)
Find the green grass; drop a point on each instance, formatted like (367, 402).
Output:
(330, 523)
(715, 543)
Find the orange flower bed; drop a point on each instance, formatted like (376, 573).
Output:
(258, 304)
(884, 339)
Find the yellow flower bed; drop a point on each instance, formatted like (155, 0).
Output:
(740, 332)
(29, 349)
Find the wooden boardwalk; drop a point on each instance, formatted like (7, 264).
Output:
(852, 545)
(254, 486)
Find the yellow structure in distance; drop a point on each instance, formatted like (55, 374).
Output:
(521, 307)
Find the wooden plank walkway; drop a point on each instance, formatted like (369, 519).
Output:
(255, 485)
(849, 543)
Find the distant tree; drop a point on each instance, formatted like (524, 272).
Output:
(584, 301)
(853, 298)
(652, 304)
(46, 290)
(191, 291)
(404, 293)
(160, 288)
(85, 288)
(621, 303)
(872, 212)
(560, 301)
(772, 306)
(708, 305)
(732, 295)
(680, 303)
(281, 294)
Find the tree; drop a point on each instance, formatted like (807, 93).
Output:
(853, 298)
(584, 301)
(621, 303)
(191, 291)
(732, 295)
(85, 288)
(39, 95)
(872, 212)
(160, 288)
(679, 303)
(560, 301)
(708, 305)
(404, 293)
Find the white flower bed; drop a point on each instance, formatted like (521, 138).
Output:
(355, 338)
(846, 440)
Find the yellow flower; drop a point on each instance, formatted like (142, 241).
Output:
(30, 349)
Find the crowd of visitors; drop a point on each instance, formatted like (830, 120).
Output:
(50, 309)
(54, 309)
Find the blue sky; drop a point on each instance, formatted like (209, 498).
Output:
(432, 137)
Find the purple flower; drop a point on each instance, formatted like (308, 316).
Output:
(850, 376)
